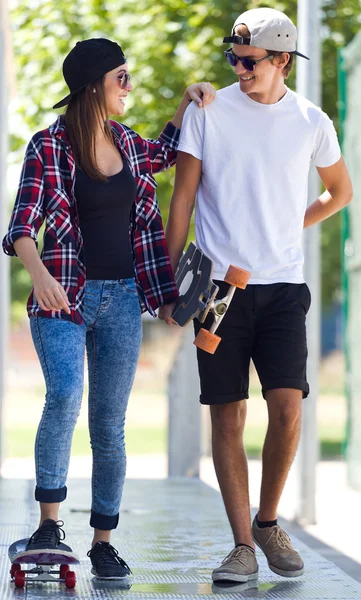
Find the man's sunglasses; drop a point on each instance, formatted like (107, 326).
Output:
(247, 63)
(123, 79)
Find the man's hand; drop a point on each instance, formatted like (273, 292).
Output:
(165, 313)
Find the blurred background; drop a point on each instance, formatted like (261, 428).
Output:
(169, 45)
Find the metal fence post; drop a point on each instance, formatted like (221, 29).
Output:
(308, 85)
(184, 422)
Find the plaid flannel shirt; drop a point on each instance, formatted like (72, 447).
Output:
(46, 191)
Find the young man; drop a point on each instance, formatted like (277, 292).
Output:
(247, 157)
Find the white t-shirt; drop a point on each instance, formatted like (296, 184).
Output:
(252, 195)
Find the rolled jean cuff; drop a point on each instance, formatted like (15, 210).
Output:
(43, 495)
(104, 522)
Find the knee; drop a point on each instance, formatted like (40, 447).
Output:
(286, 416)
(228, 420)
(65, 395)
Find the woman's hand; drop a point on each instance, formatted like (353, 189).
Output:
(49, 293)
(202, 93)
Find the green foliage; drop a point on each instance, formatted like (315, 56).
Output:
(20, 287)
(169, 45)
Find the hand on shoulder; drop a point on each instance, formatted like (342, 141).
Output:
(201, 93)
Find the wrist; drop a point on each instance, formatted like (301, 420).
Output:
(38, 271)
(186, 96)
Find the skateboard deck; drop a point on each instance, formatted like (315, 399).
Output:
(44, 561)
(195, 286)
(197, 294)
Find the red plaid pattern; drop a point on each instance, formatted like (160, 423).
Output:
(46, 192)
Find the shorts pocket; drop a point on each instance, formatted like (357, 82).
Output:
(306, 297)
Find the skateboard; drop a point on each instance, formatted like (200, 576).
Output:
(197, 294)
(50, 565)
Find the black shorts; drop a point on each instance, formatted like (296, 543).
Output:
(265, 323)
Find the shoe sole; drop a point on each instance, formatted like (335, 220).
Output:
(234, 577)
(288, 574)
(114, 577)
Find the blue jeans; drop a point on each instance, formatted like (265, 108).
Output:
(111, 334)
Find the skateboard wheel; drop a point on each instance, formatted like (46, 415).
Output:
(237, 277)
(207, 341)
(70, 579)
(14, 568)
(63, 570)
(19, 578)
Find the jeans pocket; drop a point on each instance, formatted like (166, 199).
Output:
(130, 285)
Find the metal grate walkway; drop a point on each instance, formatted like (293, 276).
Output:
(172, 533)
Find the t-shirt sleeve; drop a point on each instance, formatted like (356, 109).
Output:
(192, 131)
(326, 150)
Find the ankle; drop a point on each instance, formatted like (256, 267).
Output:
(46, 518)
(246, 546)
(101, 536)
(49, 510)
(265, 522)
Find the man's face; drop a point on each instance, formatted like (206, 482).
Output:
(264, 75)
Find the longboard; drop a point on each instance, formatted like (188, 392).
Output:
(198, 294)
(46, 563)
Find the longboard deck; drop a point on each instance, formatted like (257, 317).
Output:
(195, 285)
(62, 556)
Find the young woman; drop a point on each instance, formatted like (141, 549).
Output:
(103, 262)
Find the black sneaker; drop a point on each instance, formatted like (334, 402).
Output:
(47, 537)
(106, 562)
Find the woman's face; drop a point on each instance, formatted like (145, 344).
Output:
(116, 88)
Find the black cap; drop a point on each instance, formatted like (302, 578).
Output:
(88, 61)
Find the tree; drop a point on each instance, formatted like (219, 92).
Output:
(169, 45)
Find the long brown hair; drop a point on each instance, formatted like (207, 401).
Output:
(84, 113)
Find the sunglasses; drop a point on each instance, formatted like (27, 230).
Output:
(247, 63)
(123, 79)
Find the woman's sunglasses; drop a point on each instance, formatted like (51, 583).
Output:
(123, 79)
(247, 63)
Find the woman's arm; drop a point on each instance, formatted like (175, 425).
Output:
(28, 212)
(26, 220)
(49, 293)
(163, 151)
(200, 93)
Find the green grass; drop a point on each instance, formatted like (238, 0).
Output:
(331, 441)
(19, 442)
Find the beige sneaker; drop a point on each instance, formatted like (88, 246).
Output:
(276, 545)
(240, 565)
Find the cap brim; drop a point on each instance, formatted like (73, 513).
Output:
(67, 98)
(64, 101)
(299, 54)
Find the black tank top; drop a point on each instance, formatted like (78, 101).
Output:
(104, 212)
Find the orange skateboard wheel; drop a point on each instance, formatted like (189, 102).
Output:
(237, 277)
(207, 341)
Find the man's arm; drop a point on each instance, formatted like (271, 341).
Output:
(187, 177)
(337, 195)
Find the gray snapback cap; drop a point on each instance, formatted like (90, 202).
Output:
(269, 28)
